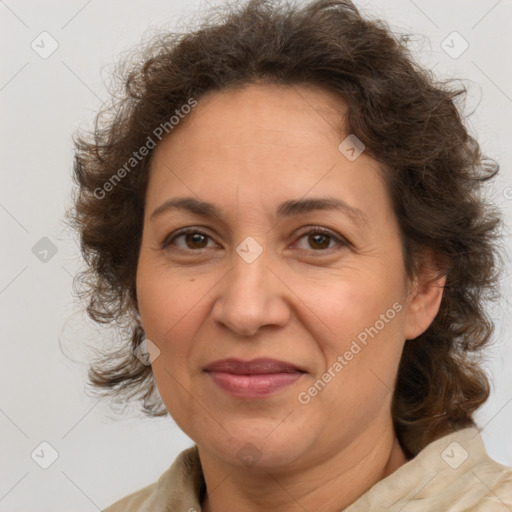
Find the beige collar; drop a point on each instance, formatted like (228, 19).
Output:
(453, 473)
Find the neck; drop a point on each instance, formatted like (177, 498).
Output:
(336, 483)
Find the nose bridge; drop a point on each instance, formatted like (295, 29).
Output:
(250, 296)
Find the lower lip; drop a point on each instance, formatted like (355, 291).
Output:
(253, 386)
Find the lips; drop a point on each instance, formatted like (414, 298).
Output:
(257, 378)
(253, 367)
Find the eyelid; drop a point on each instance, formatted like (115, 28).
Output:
(184, 231)
(342, 241)
(307, 230)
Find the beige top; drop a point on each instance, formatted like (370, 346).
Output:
(452, 474)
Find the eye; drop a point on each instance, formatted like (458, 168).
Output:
(192, 240)
(320, 239)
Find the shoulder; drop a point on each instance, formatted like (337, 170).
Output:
(135, 502)
(467, 477)
(484, 484)
(180, 486)
(491, 484)
(453, 473)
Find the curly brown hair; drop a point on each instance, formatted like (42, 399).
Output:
(408, 121)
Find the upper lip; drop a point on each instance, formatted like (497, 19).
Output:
(252, 367)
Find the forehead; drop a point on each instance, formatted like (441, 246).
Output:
(262, 143)
(254, 115)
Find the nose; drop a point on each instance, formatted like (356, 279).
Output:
(251, 296)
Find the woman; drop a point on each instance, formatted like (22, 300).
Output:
(285, 212)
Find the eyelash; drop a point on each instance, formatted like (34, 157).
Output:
(342, 242)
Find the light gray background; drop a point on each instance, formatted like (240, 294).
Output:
(43, 101)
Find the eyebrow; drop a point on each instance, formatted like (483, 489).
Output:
(288, 208)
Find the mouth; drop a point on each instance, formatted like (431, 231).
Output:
(257, 378)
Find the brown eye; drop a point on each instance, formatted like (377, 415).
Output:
(195, 240)
(189, 240)
(321, 240)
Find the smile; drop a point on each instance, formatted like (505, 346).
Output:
(257, 378)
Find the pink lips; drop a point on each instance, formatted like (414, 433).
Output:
(253, 379)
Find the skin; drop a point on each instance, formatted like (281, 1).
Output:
(304, 300)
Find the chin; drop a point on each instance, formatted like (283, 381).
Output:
(263, 447)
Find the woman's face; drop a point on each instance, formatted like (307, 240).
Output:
(274, 274)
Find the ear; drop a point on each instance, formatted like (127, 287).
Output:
(425, 295)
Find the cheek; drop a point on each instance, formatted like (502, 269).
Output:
(170, 310)
(166, 298)
(349, 303)
(360, 355)
(173, 308)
